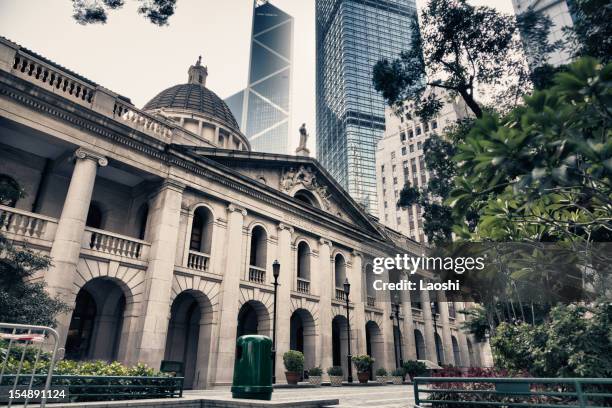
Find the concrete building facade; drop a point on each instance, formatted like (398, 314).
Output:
(163, 226)
(400, 160)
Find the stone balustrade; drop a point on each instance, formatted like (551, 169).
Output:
(115, 244)
(340, 294)
(371, 301)
(142, 121)
(303, 285)
(198, 261)
(26, 224)
(257, 274)
(52, 79)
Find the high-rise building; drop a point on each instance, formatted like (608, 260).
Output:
(352, 35)
(400, 160)
(263, 108)
(559, 14)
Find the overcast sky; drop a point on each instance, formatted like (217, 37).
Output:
(137, 59)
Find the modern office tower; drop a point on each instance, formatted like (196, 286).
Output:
(560, 16)
(400, 161)
(352, 35)
(263, 109)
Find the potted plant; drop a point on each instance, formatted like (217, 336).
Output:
(363, 364)
(335, 376)
(414, 368)
(314, 376)
(381, 376)
(397, 376)
(294, 364)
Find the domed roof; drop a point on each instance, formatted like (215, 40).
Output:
(195, 96)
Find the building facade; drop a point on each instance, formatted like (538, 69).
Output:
(163, 225)
(263, 108)
(400, 160)
(559, 14)
(352, 35)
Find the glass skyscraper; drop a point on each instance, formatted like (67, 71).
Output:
(263, 109)
(352, 35)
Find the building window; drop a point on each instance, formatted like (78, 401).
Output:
(393, 155)
(403, 136)
(382, 168)
(419, 145)
(426, 126)
(339, 271)
(394, 180)
(384, 180)
(404, 151)
(259, 247)
(94, 216)
(434, 124)
(201, 230)
(411, 148)
(386, 205)
(418, 130)
(303, 261)
(410, 134)
(393, 168)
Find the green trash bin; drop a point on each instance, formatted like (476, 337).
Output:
(253, 368)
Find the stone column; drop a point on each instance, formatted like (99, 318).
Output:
(462, 337)
(387, 329)
(447, 342)
(283, 300)
(407, 328)
(164, 219)
(69, 234)
(325, 276)
(230, 295)
(358, 299)
(430, 341)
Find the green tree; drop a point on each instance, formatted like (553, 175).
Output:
(21, 300)
(157, 12)
(591, 31)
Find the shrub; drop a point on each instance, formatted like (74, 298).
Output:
(315, 372)
(414, 368)
(382, 372)
(363, 362)
(398, 372)
(335, 371)
(294, 361)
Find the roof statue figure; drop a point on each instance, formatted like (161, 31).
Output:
(302, 150)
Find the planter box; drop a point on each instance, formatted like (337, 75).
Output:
(335, 380)
(381, 379)
(397, 380)
(315, 380)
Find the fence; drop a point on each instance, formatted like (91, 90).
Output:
(447, 392)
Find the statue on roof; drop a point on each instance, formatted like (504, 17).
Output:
(302, 150)
(199, 62)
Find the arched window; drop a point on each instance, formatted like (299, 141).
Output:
(339, 270)
(201, 230)
(419, 342)
(307, 197)
(303, 264)
(94, 216)
(10, 192)
(456, 353)
(259, 245)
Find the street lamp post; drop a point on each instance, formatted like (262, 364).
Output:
(347, 290)
(395, 314)
(275, 272)
(434, 309)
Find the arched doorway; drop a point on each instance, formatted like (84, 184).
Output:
(419, 342)
(96, 326)
(339, 343)
(375, 346)
(303, 336)
(439, 350)
(253, 318)
(188, 339)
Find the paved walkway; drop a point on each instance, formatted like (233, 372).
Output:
(389, 396)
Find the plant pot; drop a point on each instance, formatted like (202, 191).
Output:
(397, 380)
(335, 380)
(381, 379)
(363, 377)
(314, 380)
(292, 378)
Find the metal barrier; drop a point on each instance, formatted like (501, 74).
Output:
(21, 339)
(513, 392)
(83, 388)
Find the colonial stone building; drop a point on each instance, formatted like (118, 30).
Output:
(163, 226)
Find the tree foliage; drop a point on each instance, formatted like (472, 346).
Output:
(157, 12)
(591, 32)
(459, 47)
(576, 342)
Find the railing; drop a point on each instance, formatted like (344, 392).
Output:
(198, 260)
(140, 120)
(82, 388)
(371, 301)
(115, 244)
(26, 224)
(513, 392)
(340, 294)
(257, 274)
(303, 285)
(51, 78)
